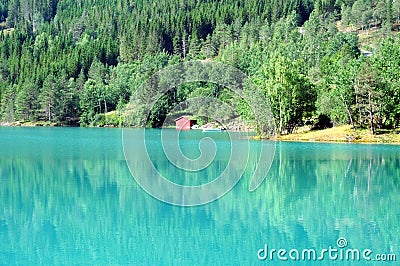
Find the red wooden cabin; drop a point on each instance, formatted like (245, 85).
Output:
(184, 123)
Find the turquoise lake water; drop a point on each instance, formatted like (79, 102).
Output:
(67, 197)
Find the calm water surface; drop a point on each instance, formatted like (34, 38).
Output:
(67, 197)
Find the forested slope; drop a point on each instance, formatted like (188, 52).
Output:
(71, 62)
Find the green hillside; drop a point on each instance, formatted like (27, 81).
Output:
(71, 62)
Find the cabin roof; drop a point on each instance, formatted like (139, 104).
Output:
(185, 117)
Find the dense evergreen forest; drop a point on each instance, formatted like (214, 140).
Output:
(78, 62)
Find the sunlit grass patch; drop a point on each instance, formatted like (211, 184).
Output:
(343, 134)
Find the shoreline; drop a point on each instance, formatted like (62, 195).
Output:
(342, 134)
(339, 134)
(47, 124)
(338, 141)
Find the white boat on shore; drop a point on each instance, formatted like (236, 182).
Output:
(212, 129)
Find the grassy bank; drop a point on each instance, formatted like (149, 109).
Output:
(342, 134)
(335, 134)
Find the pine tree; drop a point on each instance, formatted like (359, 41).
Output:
(48, 99)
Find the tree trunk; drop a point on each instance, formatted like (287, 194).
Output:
(358, 105)
(371, 117)
(348, 111)
(280, 118)
(49, 112)
(184, 47)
